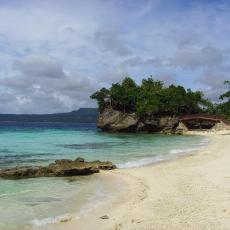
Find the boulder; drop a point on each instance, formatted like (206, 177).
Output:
(80, 159)
(105, 165)
(220, 126)
(168, 122)
(59, 168)
(181, 129)
(116, 121)
(113, 120)
(20, 172)
(163, 124)
(140, 126)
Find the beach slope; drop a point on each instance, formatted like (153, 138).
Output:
(191, 192)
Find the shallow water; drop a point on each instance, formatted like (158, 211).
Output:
(40, 201)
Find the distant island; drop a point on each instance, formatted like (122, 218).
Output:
(155, 107)
(82, 115)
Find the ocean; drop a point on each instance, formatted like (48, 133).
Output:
(43, 201)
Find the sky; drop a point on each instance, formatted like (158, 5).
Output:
(55, 53)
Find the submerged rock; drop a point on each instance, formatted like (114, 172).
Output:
(60, 168)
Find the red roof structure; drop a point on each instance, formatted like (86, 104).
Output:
(204, 117)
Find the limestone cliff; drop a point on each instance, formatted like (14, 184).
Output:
(111, 120)
(117, 121)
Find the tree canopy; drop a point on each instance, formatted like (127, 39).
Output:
(224, 108)
(151, 97)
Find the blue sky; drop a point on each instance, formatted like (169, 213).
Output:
(55, 53)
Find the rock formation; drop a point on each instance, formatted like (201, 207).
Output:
(116, 121)
(220, 126)
(60, 168)
(181, 128)
(111, 120)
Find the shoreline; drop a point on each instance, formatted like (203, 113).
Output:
(180, 193)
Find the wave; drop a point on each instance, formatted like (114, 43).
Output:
(177, 151)
(204, 142)
(52, 220)
(172, 154)
(84, 209)
(14, 193)
(142, 162)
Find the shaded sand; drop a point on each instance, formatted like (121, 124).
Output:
(192, 192)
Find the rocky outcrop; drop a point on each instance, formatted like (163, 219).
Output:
(113, 120)
(116, 121)
(220, 126)
(60, 168)
(181, 129)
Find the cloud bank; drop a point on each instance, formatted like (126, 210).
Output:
(54, 54)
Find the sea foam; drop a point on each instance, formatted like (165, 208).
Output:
(158, 158)
(139, 163)
(178, 151)
(52, 220)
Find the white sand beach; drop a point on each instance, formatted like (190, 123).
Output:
(191, 192)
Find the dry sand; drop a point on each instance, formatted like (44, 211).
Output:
(191, 192)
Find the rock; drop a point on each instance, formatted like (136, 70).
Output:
(80, 159)
(105, 165)
(65, 219)
(75, 171)
(168, 122)
(154, 122)
(63, 161)
(105, 217)
(116, 121)
(163, 124)
(111, 120)
(20, 172)
(220, 126)
(181, 129)
(60, 168)
(167, 131)
(140, 126)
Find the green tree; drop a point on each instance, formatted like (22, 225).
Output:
(123, 96)
(173, 100)
(152, 98)
(148, 97)
(209, 107)
(102, 96)
(194, 102)
(224, 108)
(227, 94)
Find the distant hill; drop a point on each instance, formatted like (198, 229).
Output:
(83, 115)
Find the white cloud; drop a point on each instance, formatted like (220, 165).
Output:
(193, 58)
(54, 55)
(213, 85)
(40, 85)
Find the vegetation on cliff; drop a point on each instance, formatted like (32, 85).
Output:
(224, 108)
(154, 97)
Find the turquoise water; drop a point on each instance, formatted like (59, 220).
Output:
(39, 201)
